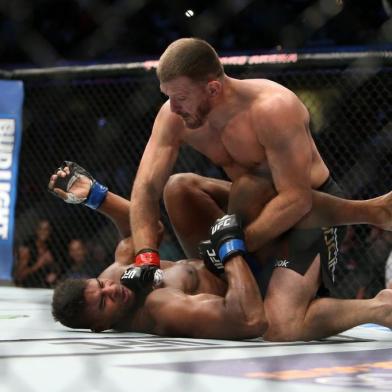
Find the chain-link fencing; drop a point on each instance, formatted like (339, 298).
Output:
(101, 118)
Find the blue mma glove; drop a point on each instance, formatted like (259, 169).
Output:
(211, 260)
(142, 279)
(227, 237)
(97, 191)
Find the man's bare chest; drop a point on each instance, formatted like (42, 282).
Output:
(236, 147)
(192, 277)
(181, 276)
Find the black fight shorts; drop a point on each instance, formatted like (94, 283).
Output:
(302, 246)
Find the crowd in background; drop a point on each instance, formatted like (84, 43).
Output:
(101, 118)
(366, 261)
(353, 109)
(43, 261)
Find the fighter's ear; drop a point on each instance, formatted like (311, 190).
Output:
(214, 88)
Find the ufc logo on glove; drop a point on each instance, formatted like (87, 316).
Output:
(129, 274)
(212, 255)
(221, 223)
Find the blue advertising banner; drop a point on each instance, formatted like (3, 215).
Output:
(11, 102)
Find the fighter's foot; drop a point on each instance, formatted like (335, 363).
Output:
(384, 299)
(383, 217)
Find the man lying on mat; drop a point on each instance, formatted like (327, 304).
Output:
(216, 296)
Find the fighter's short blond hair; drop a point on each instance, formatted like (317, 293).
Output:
(191, 57)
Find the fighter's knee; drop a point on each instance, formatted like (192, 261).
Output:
(178, 184)
(181, 181)
(281, 329)
(251, 182)
(256, 327)
(248, 196)
(276, 333)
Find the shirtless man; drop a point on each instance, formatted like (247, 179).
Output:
(209, 307)
(255, 127)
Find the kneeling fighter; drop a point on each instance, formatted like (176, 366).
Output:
(185, 298)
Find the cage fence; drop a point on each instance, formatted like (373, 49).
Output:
(101, 117)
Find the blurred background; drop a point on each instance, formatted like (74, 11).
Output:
(53, 32)
(97, 109)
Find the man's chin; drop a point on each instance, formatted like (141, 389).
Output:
(193, 124)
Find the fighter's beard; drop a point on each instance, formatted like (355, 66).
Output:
(196, 121)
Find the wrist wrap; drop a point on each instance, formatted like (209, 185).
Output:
(231, 248)
(96, 196)
(147, 257)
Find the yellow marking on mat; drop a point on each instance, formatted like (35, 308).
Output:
(319, 371)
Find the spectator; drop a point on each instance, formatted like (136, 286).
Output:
(79, 264)
(35, 261)
(99, 256)
(373, 267)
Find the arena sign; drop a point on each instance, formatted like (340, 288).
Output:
(11, 101)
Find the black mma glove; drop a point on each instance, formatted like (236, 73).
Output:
(227, 237)
(97, 191)
(142, 279)
(145, 274)
(211, 260)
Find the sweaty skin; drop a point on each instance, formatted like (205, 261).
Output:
(224, 309)
(193, 302)
(185, 277)
(189, 292)
(248, 126)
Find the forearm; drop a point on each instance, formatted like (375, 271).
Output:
(144, 217)
(116, 208)
(278, 216)
(23, 274)
(243, 294)
(43, 261)
(243, 299)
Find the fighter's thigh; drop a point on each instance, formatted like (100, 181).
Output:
(193, 203)
(288, 297)
(249, 194)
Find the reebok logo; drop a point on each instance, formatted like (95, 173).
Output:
(282, 263)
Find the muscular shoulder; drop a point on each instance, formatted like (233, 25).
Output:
(114, 271)
(278, 113)
(167, 123)
(124, 256)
